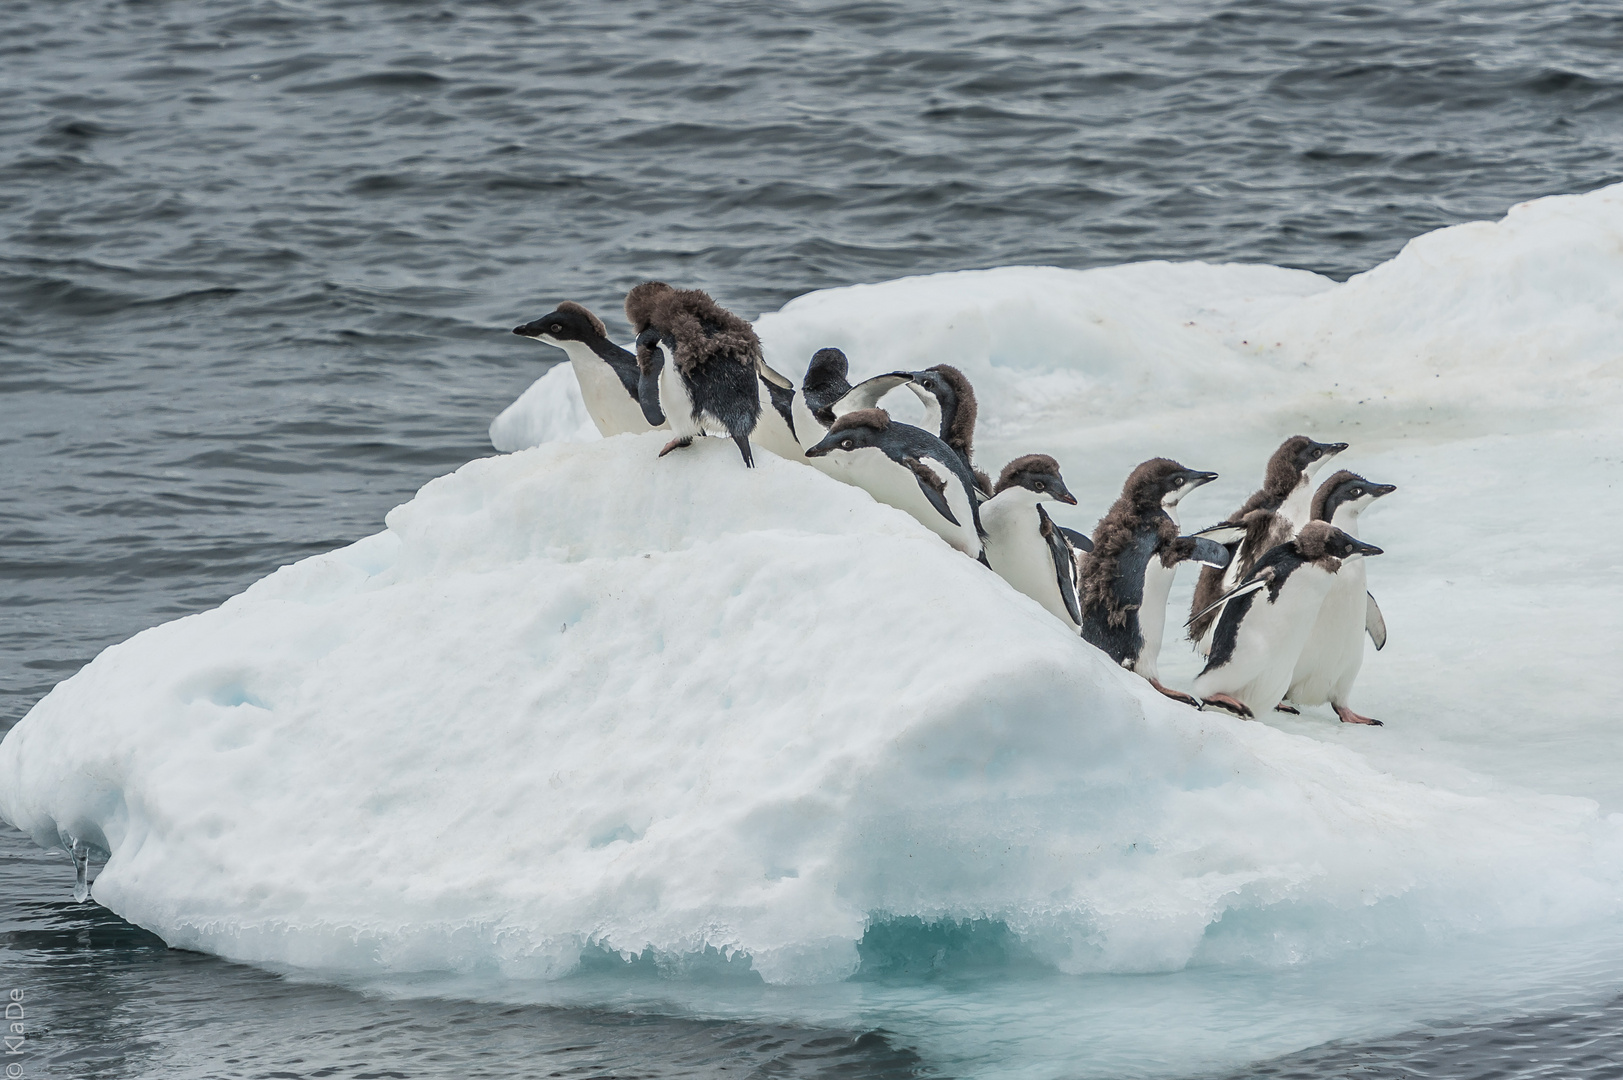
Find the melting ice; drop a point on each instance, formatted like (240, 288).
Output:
(574, 701)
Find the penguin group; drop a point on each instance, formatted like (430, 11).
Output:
(1281, 605)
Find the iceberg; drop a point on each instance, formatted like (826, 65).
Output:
(576, 701)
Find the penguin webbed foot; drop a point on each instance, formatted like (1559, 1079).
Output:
(1176, 695)
(1350, 717)
(1224, 703)
(675, 444)
(1287, 707)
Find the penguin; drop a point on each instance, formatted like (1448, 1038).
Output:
(1128, 575)
(910, 469)
(950, 409)
(1334, 650)
(1272, 515)
(1257, 644)
(1023, 545)
(607, 374)
(708, 364)
(828, 393)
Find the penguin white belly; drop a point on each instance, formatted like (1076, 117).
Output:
(1270, 640)
(1334, 650)
(895, 485)
(1152, 616)
(1018, 554)
(772, 431)
(614, 411)
(677, 402)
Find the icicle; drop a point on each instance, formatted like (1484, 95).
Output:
(81, 871)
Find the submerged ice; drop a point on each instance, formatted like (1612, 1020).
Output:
(578, 700)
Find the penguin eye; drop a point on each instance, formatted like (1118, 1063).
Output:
(848, 445)
(1357, 492)
(1039, 486)
(555, 327)
(1317, 454)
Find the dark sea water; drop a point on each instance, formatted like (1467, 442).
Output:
(258, 262)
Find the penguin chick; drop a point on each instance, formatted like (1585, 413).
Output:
(950, 410)
(1334, 651)
(607, 374)
(910, 469)
(1272, 515)
(709, 367)
(1128, 576)
(1023, 545)
(1257, 645)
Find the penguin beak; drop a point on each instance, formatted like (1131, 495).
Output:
(1333, 448)
(823, 448)
(1062, 493)
(529, 329)
(1361, 548)
(1196, 479)
(1378, 490)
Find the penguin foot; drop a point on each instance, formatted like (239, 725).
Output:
(1287, 708)
(675, 444)
(1176, 695)
(1224, 703)
(1350, 717)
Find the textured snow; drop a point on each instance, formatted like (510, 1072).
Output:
(576, 697)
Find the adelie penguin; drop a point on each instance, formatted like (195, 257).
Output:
(1334, 651)
(607, 374)
(950, 409)
(1272, 515)
(910, 469)
(1263, 622)
(703, 361)
(1128, 575)
(1023, 545)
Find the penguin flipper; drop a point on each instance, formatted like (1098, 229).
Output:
(866, 394)
(934, 488)
(1064, 564)
(1374, 623)
(650, 360)
(1208, 551)
(1079, 541)
(743, 442)
(773, 377)
(1261, 581)
(782, 398)
(1224, 533)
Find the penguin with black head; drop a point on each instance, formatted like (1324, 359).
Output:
(703, 360)
(1136, 551)
(1023, 545)
(908, 468)
(1272, 515)
(1263, 622)
(607, 374)
(1334, 651)
(950, 410)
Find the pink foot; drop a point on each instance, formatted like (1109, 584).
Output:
(1175, 695)
(675, 444)
(1350, 717)
(1284, 708)
(1224, 703)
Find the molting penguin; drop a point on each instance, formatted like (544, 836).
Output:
(1272, 515)
(1334, 650)
(607, 374)
(910, 469)
(828, 393)
(1256, 646)
(1136, 550)
(950, 409)
(708, 362)
(1023, 545)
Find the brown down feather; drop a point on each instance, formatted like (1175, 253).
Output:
(1114, 535)
(1310, 544)
(874, 418)
(703, 330)
(960, 434)
(576, 309)
(641, 302)
(926, 475)
(1025, 463)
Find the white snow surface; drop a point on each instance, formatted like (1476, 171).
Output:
(578, 697)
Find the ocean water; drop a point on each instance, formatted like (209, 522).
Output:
(259, 262)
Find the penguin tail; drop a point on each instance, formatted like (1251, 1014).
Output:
(743, 442)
